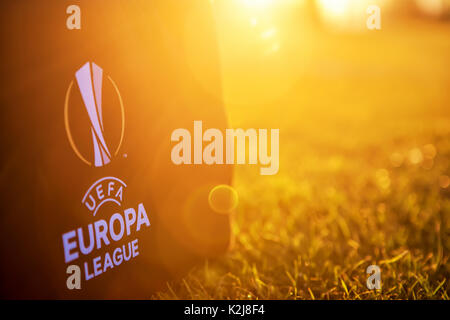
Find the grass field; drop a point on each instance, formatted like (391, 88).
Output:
(364, 125)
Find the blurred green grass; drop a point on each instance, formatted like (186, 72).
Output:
(364, 171)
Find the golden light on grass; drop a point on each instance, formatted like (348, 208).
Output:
(429, 151)
(444, 181)
(383, 180)
(397, 159)
(365, 152)
(428, 164)
(415, 156)
(223, 199)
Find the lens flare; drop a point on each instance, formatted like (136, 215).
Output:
(223, 199)
(335, 7)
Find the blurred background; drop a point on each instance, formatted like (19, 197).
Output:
(364, 123)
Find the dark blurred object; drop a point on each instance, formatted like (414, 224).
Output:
(163, 57)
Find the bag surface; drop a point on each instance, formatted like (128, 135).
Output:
(153, 67)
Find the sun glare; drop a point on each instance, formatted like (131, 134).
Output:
(346, 14)
(257, 3)
(334, 7)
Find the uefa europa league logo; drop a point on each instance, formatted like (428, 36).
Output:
(90, 79)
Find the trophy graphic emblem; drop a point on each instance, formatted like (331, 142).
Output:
(90, 81)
